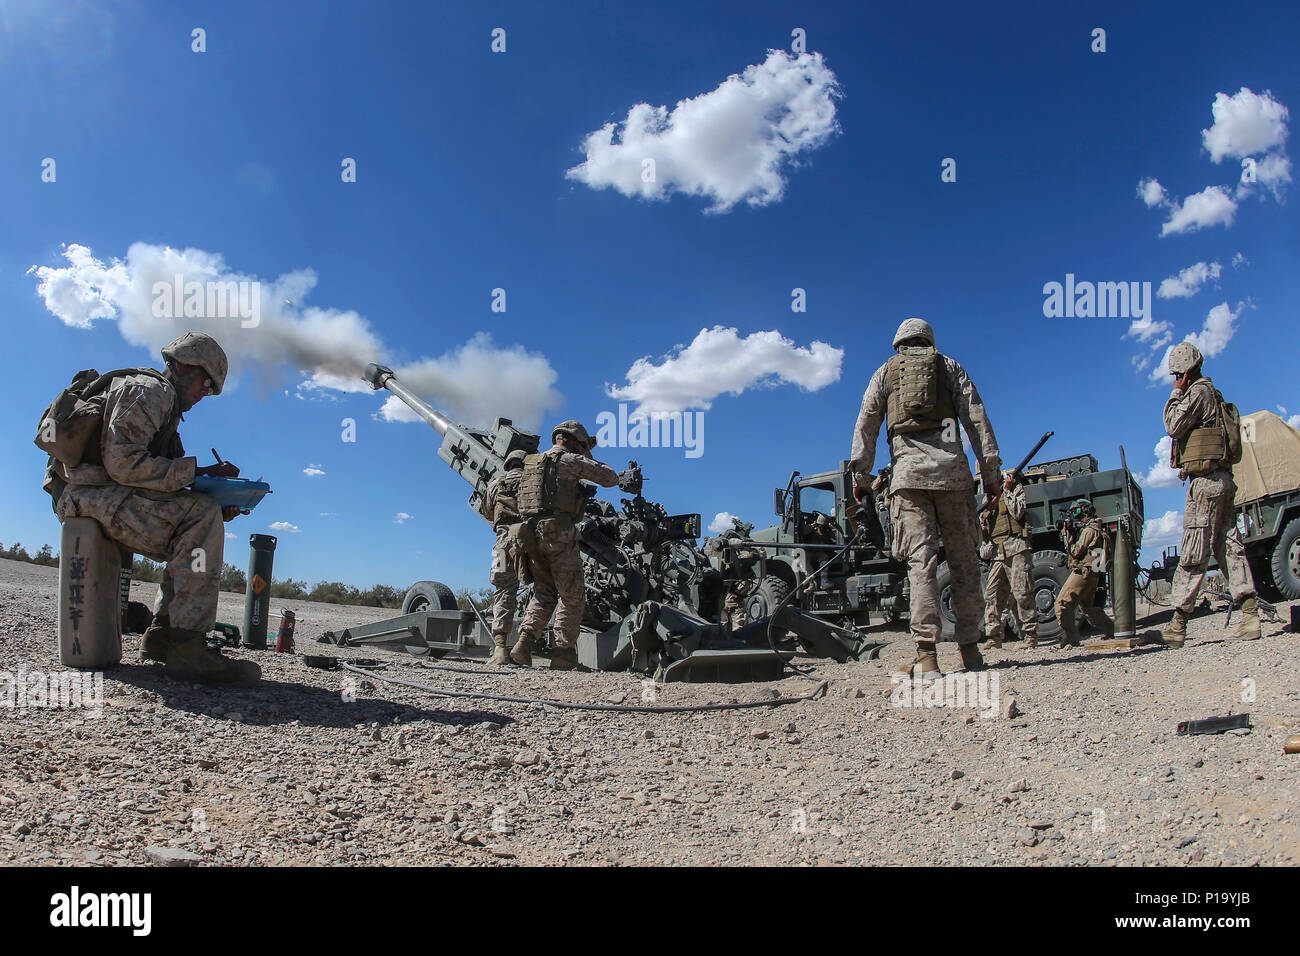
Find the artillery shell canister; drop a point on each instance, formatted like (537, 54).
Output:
(284, 636)
(1292, 745)
(261, 558)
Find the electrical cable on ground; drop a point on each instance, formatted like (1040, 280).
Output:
(818, 691)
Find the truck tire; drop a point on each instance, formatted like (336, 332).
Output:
(1049, 572)
(428, 596)
(764, 599)
(1286, 561)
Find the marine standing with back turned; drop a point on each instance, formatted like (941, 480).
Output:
(923, 395)
(551, 499)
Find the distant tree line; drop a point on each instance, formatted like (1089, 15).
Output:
(235, 580)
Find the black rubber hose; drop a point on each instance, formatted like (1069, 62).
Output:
(816, 692)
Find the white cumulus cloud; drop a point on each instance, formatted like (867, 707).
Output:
(719, 360)
(1152, 193)
(1239, 260)
(1160, 533)
(476, 382)
(722, 522)
(1210, 207)
(311, 471)
(1161, 475)
(402, 517)
(285, 527)
(730, 145)
(1188, 282)
(1245, 124)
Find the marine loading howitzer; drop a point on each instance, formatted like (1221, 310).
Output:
(653, 599)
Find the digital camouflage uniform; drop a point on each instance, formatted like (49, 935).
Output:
(137, 495)
(1209, 518)
(1010, 580)
(556, 562)
(500, 508)
(1089, 557)
(931, 495)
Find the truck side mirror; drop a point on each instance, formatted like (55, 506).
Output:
(778, 499)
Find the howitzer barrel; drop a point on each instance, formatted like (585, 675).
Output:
(380, 376)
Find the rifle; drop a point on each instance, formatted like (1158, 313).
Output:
(1015, 472)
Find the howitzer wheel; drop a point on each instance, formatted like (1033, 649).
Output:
(428, 596)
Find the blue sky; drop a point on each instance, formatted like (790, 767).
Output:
(231, 158)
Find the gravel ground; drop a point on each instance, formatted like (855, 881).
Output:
(320, 767)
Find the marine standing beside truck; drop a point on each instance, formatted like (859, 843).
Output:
(551, 500)
(923, 394)
(1196, 418)
(1010, 580)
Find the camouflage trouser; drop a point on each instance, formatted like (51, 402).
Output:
(1210, 526)
(557, 578)
(1079, 590)
(505, 579)
(1010, 587)
(919, 518)
(733, 608)
(183, 529)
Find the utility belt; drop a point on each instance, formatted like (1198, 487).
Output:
(530, 532)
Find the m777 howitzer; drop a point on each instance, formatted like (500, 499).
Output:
(652, 597)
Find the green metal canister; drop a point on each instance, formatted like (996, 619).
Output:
(257, 596)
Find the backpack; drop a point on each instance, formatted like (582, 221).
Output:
(918, 399)
(76, 415)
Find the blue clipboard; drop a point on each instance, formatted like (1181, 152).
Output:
(241, 493)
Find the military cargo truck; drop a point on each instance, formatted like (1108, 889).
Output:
(866, 584)
(1268, 503)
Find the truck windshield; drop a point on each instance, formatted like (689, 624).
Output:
(817, 499)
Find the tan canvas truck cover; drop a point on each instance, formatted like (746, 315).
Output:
(1270, 464)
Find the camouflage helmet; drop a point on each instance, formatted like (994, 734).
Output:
(914, 329)
(574, 429)
(515, 459)
(202, 351)
(1081, 508)
(1183, 357)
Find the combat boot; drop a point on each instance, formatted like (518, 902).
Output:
(522, 652)
(994, 640)
(1069, 635)
(1175, 634)
(499, 653)
(926, 663)
(190, 658)
(564, 659)
(971, 658)
(156, 640)
(1248, 626)
(1030, 643)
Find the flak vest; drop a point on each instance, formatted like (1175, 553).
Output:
(1205, 448)
(546, 492)
(919, 399)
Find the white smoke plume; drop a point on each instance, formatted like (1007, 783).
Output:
(473, 383)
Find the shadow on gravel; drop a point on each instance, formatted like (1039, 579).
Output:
(273, 702)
